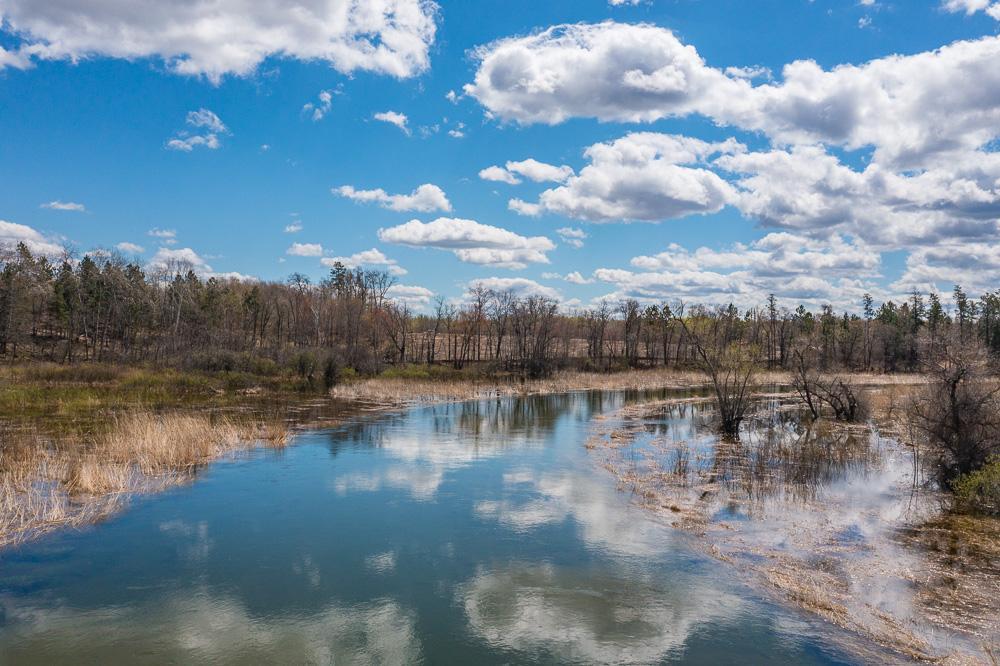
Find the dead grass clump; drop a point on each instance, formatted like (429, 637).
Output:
(44, 486)
(158, 442)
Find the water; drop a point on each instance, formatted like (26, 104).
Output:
(468, 533)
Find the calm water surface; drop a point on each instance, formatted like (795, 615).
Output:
(468, 533)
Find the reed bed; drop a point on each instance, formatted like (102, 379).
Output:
(49, 484)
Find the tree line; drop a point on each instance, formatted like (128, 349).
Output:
(104, 308)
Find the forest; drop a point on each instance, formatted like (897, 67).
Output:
(106, 309)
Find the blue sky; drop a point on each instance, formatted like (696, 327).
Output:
(88, 119)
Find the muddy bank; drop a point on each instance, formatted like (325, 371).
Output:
(834, 519)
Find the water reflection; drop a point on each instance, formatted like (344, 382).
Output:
(532, 500)
(465, 533)
(813, 509)
(587, 616)
(207, 629)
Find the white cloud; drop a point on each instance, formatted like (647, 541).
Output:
(808, 190)
(970, 7)
(775, 255)
(975, 266)
(181, 260)
(572, 236)
(293, 228)
(202, 120)
(794, 268)
(499, 175)
(642, 176)
(413, 296)
(908, 108)
(521, 287)
(130, 248)
(215, 38)
(611, 71)
(372, 257)
(68, 206)
(305, 250)
(156, 232)
(12, 233)
(317, 110)
(576, 278)
(394, 118)
(524, 208)
(530, 168)
(472, 242)
(540, 172)
(424, 199)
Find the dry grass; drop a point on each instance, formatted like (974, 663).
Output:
(45, 485)
(398, 391)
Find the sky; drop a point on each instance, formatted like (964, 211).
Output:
(707, 151)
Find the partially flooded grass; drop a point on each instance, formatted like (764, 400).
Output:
(832, 518)
(46, 483)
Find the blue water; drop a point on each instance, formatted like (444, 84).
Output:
(473, 533)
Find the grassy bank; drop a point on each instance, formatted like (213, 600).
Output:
(43, 389)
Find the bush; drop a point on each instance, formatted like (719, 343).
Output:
(979, 492)
(331, 373)
(958, 416)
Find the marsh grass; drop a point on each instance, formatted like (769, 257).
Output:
(396, 389)
(407, 386)
(74, 391)
(45, 484)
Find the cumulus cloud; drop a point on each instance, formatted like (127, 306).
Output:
(12, 233)
(372, 257)
(394, 118)
(612, 71)
(808, 190)
(215, 38)
(413, 296)
(130, 248)
(521, 287)
(532, 169)
(974, 265)
(293, 228)
(68, 206)
(305, 250)
(472, 242)
(424, 199)
(794, 268)
(167, 234)
(642, 176)
(970, 7)
(207, 123)
(908, 108)
(499, 175)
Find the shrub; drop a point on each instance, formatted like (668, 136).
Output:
(958, 416)
(331, 373)
(979, 491)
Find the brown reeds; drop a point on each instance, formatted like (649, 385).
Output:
(44, 485)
